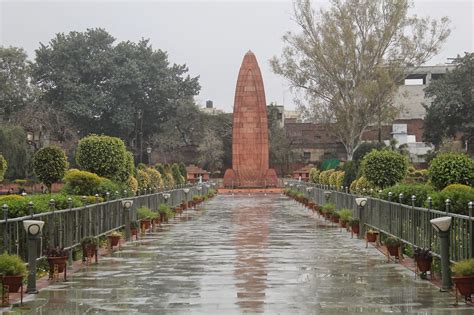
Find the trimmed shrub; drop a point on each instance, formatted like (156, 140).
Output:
(324, 176)
(314, 175)
(362, 183)
(421, 191)
(384, 168)
(106, 185)
(80, 182)
(339, 179)
(103, 155)
(177, 177)
(333, 178)
(364, 148)
(416, 176)
(3, 167)
(451, 168)
(156, 181)
(160, 168)
(143, 179)
(132, 184)
(182, 170)
(10, 198)
(168, 180)
(458, 194)
(128, 170)
(50, 164)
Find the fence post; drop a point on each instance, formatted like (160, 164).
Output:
(413, 223)
(430, 204)
(5, 230)
(471, 229)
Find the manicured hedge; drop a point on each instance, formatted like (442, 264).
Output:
(451, 168)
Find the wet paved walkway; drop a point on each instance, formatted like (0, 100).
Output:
(258, 254)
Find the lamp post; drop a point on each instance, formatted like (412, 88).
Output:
(33, 229)
(442, 226)
(148, 151)
(361, 202)
(186, 192)
(127, 205)
(166, 196)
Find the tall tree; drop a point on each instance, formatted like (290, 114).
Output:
(348, 59)
(15, 90)
(451, 109)
(15, 150)
(211, 151)
(127, 90)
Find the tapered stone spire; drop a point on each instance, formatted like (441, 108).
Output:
(250, 166)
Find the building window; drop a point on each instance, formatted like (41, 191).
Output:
(307, 155)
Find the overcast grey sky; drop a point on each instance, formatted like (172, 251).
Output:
(211, 37)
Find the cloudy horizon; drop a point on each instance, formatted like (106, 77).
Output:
(211, 37)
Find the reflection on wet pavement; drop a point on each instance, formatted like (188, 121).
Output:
(244, 254)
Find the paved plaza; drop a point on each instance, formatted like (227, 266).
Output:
(244, 254)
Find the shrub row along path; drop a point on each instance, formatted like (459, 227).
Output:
(244, 254)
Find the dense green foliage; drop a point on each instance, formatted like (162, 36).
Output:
(182, 170)
(464, 268)
(143, 179)
(3, 167)
(177, 177)
(156, 182)
(50, 164)
(350, 173)
(18, 207)
(450, 108)
(15, 90)
(421, 192)
(105, 156)
(325, 175)
(384, 168)
(451, 168)
(12, 265)
(14, 148)
(80, 182)
(314, 175)
(145, 213)
(459, 195)
(106, 87)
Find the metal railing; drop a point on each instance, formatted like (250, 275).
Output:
(409, 223)
(65, 228)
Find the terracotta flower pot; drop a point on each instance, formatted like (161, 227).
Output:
(355, 228)
(90, 250)
(465, 285)
(393, 250)
(13, 282)
(371, 237)
(134, 231)
(162, 217)
(145, 224)
(335, 220)
(424, 265)
(343, 224)
(114, 239)
(60, 261)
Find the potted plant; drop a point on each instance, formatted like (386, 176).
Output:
(354, 223)
(345, 215)
(13, 269)
(114, 238)
(463, 278)
(328, 209)
(197, 199)
(57, 256)
(393, 245)
(423, 258)
(335, 217)
(372, 236)
(134, 228)
(89, 247)
(144, 215)
(165, 212)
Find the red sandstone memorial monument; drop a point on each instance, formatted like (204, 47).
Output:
(250, 168)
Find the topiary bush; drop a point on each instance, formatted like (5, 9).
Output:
(80, 182)
(168, 180)
(50, 164)
(451, 168)
(182, 170)
(177, 177)
(143, 179)
(384, 168)
(324, 176)
(132, 184)
(156, 181)
(314, 175)
(459, 195)
(421, 191)
(3, 167)
(339, 179)
(362, 183)
(105, 156)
